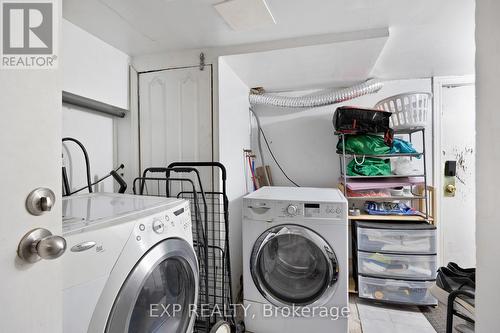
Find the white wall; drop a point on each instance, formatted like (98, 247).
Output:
(487, 161)
(127, 136)
(93, 69)
(95, 131)
(234, 129)
(304, 143)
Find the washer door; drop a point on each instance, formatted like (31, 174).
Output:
(293, 265)
(158, 293)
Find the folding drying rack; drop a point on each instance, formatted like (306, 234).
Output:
(210, 223)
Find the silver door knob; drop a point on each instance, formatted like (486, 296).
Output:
(40, 244)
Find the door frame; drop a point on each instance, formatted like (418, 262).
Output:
(438, 84)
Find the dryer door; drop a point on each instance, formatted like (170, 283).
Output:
(293, 265)
(158, 293)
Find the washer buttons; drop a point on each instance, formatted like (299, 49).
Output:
(158, 226)
(138, 238)
(142, 227)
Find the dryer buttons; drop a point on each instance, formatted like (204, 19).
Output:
(291, 210)
(158, 226)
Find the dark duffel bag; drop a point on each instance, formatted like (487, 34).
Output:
(354, 120)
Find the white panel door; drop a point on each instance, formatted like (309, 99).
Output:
(175, 117)
(458, 144)
(30, 155)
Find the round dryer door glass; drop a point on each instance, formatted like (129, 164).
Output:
(157, 295)
(293, 265)
(168, 291)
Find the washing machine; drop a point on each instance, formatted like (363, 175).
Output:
(129, 265)
(295, 260)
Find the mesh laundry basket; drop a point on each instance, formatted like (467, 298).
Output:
(408, 110)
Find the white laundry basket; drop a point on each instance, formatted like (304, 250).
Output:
(408, 109)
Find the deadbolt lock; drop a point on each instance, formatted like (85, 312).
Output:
(40, 200)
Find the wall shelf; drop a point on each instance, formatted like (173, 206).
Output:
(386, 198)
(409, 130)
(391, 218)
(385, 176)
(352, 155)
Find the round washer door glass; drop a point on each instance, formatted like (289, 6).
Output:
(157, 295)
(293, 265)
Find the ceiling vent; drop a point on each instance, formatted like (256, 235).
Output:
(245, 14)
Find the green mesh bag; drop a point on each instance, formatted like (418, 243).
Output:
(365, 144)
(369, 167)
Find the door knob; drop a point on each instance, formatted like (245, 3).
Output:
(40, 200)
(40, 244)
(450, 188)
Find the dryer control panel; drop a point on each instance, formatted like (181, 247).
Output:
(265, 210)
(165, 224)
(326, 210)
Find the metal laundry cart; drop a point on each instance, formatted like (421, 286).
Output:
(210, 220)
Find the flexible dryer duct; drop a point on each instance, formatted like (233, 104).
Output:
(332, 97)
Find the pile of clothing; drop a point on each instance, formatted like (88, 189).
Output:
(370, 144)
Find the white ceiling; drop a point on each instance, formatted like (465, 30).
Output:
(427, 37)
(336, 64)
(148, 26)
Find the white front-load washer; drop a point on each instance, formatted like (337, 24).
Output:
(295, 260)
(130, 264)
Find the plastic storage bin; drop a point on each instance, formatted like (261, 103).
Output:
(413, 267)
(390, 238)
(396, 291)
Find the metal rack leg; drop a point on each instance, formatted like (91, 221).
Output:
(425, 176)
(450, 311)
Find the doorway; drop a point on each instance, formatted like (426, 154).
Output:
(454, 145)
(176, 120)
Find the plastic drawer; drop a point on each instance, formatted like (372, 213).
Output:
(413, 267)
(397, 241)
(396, 291)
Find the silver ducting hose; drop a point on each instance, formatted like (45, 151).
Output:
(331, 97)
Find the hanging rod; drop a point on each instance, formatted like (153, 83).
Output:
(89, 103)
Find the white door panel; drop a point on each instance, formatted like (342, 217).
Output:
(175, 118)
(30, 150)
(458, 144)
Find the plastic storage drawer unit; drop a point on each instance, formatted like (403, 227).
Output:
(396, 238)
(412, 267)
(396, 291)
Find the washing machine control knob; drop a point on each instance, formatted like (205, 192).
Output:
(291, 210)
(158, 226)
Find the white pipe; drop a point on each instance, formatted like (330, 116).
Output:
(331, 97)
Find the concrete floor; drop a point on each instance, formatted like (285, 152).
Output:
(367, 317)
